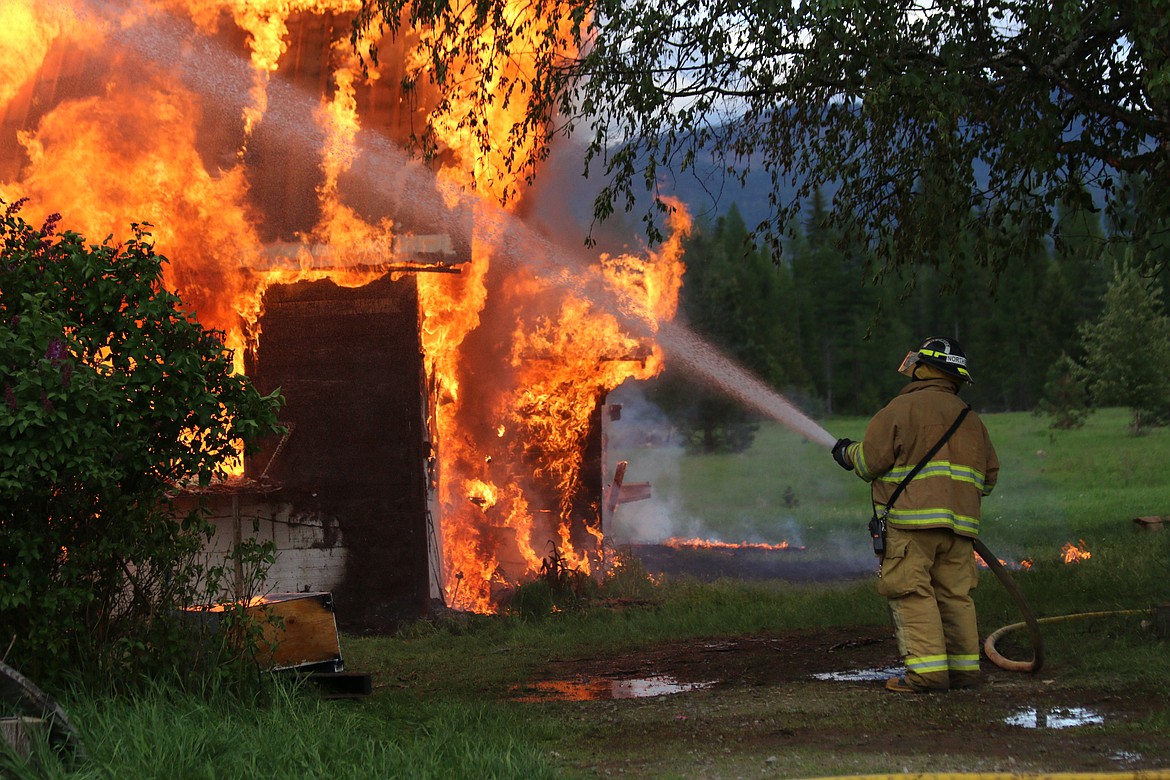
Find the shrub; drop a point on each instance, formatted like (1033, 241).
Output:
(112, 396)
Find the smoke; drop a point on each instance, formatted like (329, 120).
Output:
(646, 438)
(558, 203)
(784, 489)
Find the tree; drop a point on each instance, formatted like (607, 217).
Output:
(1065, 397)
(1127, 350)
(925, 119)
(846, 356)
(113, 397)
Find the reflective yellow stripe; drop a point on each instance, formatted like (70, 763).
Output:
(937, 468)
(856, 454)
(927, 664)
(963, 663)
(947, 356)
(933, 517)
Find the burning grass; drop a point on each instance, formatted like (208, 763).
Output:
(1078, 487)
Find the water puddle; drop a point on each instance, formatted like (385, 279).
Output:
(598, 688)
(1053, 718)
(1126, 757)
(862, 675)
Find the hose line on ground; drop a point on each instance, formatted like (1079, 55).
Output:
(1005, 663)
(1141, 774)
(1030, 620)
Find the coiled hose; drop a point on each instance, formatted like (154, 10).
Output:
(1024, 666)
(1031, 622)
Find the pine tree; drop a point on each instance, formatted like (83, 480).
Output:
(1127, 350)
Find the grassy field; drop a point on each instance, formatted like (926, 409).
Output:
(442, 705)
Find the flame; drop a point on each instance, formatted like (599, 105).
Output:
(1021, 565)
(246, 603)
(1075, 553)
(481, 493)
(517, 360)
(714, 544)
(650, 290)
(28, 29)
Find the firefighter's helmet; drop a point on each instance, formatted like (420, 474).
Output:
(944, 354)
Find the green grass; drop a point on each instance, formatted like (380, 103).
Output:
(291, 733)
(442, 707)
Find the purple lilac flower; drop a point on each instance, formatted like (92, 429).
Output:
(56, 351)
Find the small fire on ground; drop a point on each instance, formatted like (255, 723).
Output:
(713, 544)
(1020, 565)
(1071, 553)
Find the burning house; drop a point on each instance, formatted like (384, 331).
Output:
(443, 396)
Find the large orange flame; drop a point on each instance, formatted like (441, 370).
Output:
(517, 360)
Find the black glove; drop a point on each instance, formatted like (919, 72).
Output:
(839, 453)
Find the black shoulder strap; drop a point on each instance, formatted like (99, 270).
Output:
(926, 459)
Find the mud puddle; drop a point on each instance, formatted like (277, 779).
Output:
(862, 675)
(599, 688)
(1054, 718)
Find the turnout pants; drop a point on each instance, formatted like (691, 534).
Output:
(927, 575)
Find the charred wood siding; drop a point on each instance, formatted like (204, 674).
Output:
(349, 364)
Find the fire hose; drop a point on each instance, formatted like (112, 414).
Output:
(1024, 666)
(1025, 608)
(1031, 622)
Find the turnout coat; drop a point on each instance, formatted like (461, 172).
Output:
(947, 492)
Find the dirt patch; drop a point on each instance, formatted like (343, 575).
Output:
(790, 704)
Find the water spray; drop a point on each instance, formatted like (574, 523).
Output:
(704, 360)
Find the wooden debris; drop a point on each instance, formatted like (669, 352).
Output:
(1150, 522)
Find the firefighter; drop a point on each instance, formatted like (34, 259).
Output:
(928, 564)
